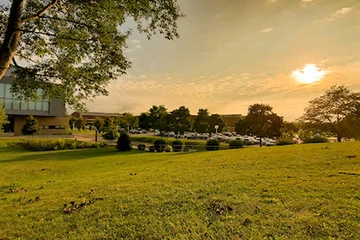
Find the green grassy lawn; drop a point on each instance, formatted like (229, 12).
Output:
(284, 192)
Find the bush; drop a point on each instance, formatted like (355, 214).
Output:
(160, 145)
(285, 141)
(141, 147)
(186, 149)
(316, 139)
(235, 144)
(124, 142)
(31, 126)
(152, 149)
(58, 144)
(110, 134)
(177, 146)
(212, 144)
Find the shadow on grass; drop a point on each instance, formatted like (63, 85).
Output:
(63, 155)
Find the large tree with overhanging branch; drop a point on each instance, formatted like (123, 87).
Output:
(73, 48)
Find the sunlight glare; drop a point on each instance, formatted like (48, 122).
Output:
(309, 74)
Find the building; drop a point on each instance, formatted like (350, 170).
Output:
(90, 117)
(50, 113)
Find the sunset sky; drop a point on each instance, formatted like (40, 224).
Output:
(234, 53)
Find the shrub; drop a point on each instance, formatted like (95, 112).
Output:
(235, 144)
(212, 144)
(177, 146)
(152, 149)
(160, 145)
(168, 148)
(58, 144)
(285, 141)
(110, 134)
(141, 147)
(31, 126)
(186, 149)
(316, 139)
(124, 142)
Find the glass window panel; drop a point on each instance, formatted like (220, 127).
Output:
(24, 105)
(39, 105)
(31, 105)
(8, 94)
(8, 103)
(16, 104)
(46, 106)
(39, 92)
(2, 90)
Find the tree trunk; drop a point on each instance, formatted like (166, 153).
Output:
(260, 141)
(339, 138)
(12, 36)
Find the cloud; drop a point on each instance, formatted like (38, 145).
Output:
(339, 13)
(135, 41)
(271, 1)
(267, 30)
(306, 1)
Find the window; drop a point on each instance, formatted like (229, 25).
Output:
(24, 105)
(38, 106)
(45, 106)
(16, 104)
(31, 105)
(2, 90)
(8, 94)
(8, 103)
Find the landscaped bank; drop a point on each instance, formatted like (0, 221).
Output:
(293, 192)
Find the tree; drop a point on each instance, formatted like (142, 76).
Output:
(3, 118)
(129, 120)
(261, 122)
(216, 119)
(31, 126)
(80, 123)
(201, 124)
(124, 142)
(333, 108)
(180, 120)
(144, 120)
(73, 48)
(99, 124)
(159, 118)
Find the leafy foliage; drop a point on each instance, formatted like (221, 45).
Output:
(180, 120)
(99, 124)
(177, 146)
(73, 48)
(58, 144)
(3, 117)
(234, 144)
(124, 142)
(212, 144)
(336, 107)
(159, 118)
(261, 122)
(216, 119)
(201, 124)
(160, 145)
(31, 126)
(285, 141)
(315, 139)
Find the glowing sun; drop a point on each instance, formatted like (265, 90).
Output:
(309, 74)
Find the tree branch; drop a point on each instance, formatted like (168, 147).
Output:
(40, 13)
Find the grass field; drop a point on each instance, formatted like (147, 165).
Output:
(284, 192)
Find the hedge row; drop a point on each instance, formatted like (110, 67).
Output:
(58, 144)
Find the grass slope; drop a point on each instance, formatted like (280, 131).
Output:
(298, 192)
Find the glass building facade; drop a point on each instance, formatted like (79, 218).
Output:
(13, 102)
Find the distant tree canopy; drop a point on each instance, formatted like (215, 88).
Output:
(201, 124)
(261, 122)
(73, 48)
(216, 119)
(338, 109)
(180, 120)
